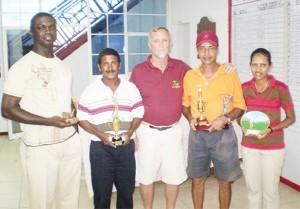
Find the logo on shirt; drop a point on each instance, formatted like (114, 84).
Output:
(175, 84)
(42, 73)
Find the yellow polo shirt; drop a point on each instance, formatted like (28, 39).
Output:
(221, 85)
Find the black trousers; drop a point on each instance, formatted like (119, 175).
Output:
(112, 166)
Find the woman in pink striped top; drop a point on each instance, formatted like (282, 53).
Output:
(263, 155)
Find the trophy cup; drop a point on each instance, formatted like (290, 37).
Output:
(226, 101)
(115, 124)
(202, 123)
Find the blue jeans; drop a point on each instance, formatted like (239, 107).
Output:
(112, 166)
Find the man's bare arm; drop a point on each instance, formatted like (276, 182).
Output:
(186, 111)
(11, 109)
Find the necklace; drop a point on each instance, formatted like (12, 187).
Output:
(262, 87)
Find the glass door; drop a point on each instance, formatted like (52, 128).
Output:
(15, 47)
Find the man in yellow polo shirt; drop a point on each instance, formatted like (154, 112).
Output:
(221, 101)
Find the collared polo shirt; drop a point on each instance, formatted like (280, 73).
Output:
(161, 91)
(97, 104)
(221, 85)
(270, 101)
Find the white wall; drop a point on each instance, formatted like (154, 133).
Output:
(185, 15)
(81, 70)
(291, 167)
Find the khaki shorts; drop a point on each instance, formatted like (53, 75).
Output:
(160, 150)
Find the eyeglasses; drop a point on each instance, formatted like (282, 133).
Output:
(210, 49)
(43, 28)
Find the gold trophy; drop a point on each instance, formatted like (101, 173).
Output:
(116, 124)
(226, 101)
(202, 122)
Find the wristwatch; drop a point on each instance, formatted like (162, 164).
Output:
(228, 118)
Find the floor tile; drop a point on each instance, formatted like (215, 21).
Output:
(13, 189)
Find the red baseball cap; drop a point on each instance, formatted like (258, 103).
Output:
(207, 36)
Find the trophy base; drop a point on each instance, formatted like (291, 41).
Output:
(202, 125)
(117, 141)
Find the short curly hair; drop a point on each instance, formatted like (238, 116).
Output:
(40, 14)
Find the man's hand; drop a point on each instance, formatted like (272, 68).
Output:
(218, 124)
(73, 121)
(70, 117)
(127, 137)
(106, 139)
(229, 67)
(59, 122)
(193, 123)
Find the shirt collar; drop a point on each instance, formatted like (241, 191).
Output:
(169, 65)
(220, 71)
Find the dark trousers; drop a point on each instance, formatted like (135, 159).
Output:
(112, 165)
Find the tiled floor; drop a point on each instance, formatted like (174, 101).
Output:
(13, 190)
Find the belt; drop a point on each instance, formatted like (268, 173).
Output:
(104, 127)
(160, 128)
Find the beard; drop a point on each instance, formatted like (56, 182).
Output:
(161, 54)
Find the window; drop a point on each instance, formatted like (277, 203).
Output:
(125, 28)
(119, 24)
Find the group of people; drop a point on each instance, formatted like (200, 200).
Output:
(143, 115)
